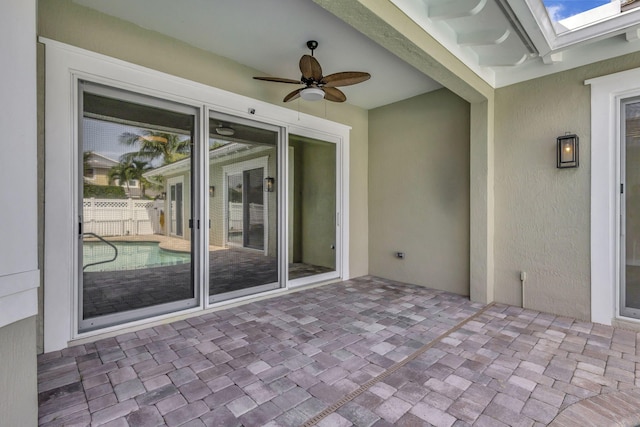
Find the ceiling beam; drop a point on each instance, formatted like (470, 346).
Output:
(501, 60)
(483, 38)
(455, 9)
(384, 23)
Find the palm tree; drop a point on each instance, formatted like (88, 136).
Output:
(154, 145)
(128, 170)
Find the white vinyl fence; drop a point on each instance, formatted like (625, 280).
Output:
(256, 215)
(122, 217)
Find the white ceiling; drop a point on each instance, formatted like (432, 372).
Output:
(503, 41)
(271, 36)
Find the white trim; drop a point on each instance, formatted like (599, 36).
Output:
(606, 94)
(19, 275)
(64, 65)
(18, 296)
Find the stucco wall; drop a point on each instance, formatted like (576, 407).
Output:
(542, 213)
(419, 191)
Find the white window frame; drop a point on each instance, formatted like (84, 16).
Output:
(607, 93)
(65, 65)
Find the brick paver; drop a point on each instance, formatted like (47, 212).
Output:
(283, 361)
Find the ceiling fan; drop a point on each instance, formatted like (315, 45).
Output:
(316, 85)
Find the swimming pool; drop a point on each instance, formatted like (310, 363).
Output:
(131, 256)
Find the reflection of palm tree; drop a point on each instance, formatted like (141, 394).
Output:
(129, 170)
(156, 145)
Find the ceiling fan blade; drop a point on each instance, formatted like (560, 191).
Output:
(333, 94)
(293, 95)
(310, 68)
(345, 78)
(279, 80)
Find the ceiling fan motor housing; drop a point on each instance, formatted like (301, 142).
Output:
(312, 44)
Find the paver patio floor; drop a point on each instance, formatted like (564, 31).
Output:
(364, 352)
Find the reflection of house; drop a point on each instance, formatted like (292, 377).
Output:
(237, 196)
(97, 167)
(96, 172)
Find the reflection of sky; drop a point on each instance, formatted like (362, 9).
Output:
(561, 9)
(102, 137)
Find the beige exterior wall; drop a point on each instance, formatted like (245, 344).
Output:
(64, 21)
(542, 217)
(18, 374)
(419, 191)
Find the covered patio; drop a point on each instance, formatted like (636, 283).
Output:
(362, 352)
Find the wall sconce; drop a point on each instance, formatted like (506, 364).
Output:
(212, 191)
(568, 151)
(163, 195)
(269, 184)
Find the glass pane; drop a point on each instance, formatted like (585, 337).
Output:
(312, 207)
(135, 254)
(234, 209)
(243, 252)
(631, 297)
(254, 209)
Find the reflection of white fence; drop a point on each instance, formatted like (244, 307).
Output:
(122, 217)
(256, 215)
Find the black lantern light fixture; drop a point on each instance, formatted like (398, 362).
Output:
(567, 151)
(269, 184)
(212, 191)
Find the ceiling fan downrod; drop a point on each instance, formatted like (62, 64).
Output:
(312, 45)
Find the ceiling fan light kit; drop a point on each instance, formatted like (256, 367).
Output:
(312, 94)
(225, 131)
(317, 86)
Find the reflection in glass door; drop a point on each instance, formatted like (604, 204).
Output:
(253, 209)
(245, 209)
(235, 201)
(630, 209)
(135, 254)
(244, 252)
(175, 207)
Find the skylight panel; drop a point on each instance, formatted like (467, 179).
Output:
(562, 9)
(569, 15)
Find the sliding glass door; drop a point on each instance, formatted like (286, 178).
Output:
(134, 245)
(244, 251)
(630, 209)
(169, 217)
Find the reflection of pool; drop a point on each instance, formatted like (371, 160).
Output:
(131, 256)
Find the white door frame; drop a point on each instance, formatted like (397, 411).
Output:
(607, 93)
(239, 168)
